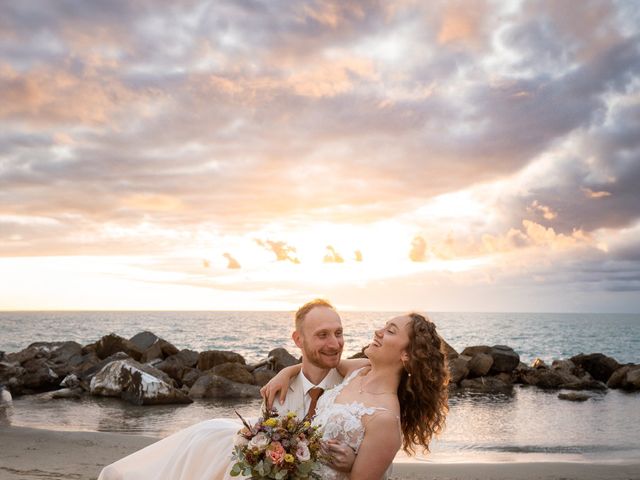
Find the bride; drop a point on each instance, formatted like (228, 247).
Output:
(395, 398)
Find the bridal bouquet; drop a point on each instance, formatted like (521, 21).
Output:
(281, 448)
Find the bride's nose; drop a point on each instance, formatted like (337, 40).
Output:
(378, 333)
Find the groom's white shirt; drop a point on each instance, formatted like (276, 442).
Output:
(298, 399)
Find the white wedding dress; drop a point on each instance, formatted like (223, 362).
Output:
(203, 451)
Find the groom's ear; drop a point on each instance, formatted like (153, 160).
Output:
(297, 338)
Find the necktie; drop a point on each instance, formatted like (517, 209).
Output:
(314, 393)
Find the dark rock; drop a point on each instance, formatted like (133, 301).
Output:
(598, 365)
(476, 349)
(93, 365)
(112, 343)
(35, 350)
(542, 378)
(480, 365)
(144, 340)
(448, 349)
(585, 383)
(213, 386)
(11, 374)
(261, 377)
(486, 384)
(177, 365)
(234, 372)
(626, 377)
(209, 359)
(190, 376)
(281, 358)
(135, 383)
(39, 375)
(66, 357)
(574, 396)
(505, 359)
(458, 369)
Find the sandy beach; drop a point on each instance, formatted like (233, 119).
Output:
(27, 453)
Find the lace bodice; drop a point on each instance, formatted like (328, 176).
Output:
(341, 422)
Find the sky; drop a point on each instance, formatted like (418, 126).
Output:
(386, 155)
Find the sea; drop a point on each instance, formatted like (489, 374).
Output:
(528, 424)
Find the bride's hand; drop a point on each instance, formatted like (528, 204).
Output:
(342, 455)
(279, 383)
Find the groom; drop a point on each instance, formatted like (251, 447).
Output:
(318, 334)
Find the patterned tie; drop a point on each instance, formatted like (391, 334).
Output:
(314, 393)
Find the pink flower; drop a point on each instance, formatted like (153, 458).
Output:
(302, 452)
(276, 453)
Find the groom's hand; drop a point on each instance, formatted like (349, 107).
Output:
(342, 455)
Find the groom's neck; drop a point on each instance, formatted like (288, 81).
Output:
(314, 374)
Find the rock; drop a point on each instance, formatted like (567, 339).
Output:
(209, 359)
(541, 378)
(598, 365)
(626, 377)
(360, 354)
(70, 381)
(566, 365)
(93, 364)
(486, 384)
(39, 375)
(234, 372)
(585, 383)
(476, 349)
(480, 364)
(261, 377)
(190, 376)
(112, 343)
(449, 350)
(161, 349)
(144, 340)
(458, 369)
(176, 366)
(505, 359)
(538, 363)
(35, 350)
(213, 386)
(74, 393)
(132, 382)
(574, 396)
(66, 357)
(281, 358)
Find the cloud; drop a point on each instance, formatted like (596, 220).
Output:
(232, 262)
(418, 251)
(332, 256)
(282, 251)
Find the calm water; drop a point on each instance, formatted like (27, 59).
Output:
(529, 424)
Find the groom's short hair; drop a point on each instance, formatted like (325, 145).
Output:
(307, 307)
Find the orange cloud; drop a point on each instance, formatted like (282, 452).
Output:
(591, 194)
(546, 211)
(332, 256)
(418, 251)
(153, 202)
(282, 251)
(233, 263)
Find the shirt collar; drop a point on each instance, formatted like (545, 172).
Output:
(307, 385)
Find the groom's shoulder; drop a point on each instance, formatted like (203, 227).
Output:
(333, 378)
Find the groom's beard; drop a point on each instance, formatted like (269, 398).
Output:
(324, 358)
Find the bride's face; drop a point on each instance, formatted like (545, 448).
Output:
(390, 342)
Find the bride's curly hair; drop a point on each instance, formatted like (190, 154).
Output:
(423, 389)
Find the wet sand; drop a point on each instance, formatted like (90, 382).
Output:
(30, 454)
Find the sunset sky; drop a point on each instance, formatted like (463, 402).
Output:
(391, 155)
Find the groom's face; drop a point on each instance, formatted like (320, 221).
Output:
(320, 337)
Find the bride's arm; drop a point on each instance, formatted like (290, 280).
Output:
(279, 383)
(379, 446)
